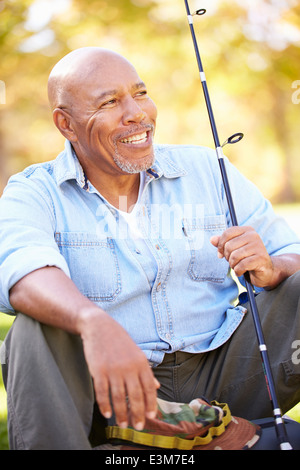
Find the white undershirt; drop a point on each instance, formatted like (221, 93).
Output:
(132, 217)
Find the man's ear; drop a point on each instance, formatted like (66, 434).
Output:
(62, 121)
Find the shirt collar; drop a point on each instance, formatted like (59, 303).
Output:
(163, 165)
(68, 166)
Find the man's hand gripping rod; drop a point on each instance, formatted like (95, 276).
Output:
(279, 423)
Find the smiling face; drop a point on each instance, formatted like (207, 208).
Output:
(101, 105)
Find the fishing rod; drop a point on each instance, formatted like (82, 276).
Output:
(278, 420)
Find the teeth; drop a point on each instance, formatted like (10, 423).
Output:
(135, 139)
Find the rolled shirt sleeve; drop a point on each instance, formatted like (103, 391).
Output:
(27, 228)
(254, 210)
(52, 197)
(50, 215)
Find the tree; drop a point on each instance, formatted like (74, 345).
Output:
(250, 51)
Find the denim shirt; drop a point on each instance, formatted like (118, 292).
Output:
(166, 287)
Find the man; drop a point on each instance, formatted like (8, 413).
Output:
(117, 257)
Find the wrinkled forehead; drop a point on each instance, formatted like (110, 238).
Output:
(102, 66)
(87, 73)
(111, 72)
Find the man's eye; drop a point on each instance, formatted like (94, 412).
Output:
(141, 93)
(109, 103)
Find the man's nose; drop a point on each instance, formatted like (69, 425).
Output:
(133, 112)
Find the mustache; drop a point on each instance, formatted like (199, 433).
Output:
(135, 129)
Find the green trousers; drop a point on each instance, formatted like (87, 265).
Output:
(50, 395)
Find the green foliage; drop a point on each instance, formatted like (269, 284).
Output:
(5, 324)
(250, 51)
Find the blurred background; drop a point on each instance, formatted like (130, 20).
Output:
(251, 56)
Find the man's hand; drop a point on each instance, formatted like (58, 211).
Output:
(117, 365)
(244, 250)
(119, 369)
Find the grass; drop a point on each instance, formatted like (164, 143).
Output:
(5, 324)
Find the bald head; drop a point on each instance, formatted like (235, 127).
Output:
(72, 74)
(101, 105)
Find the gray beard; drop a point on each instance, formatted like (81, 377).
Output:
(132, 167)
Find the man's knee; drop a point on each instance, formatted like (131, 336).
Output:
(49, 386)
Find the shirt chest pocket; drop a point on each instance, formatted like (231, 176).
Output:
(204, 263)
(93, 264)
